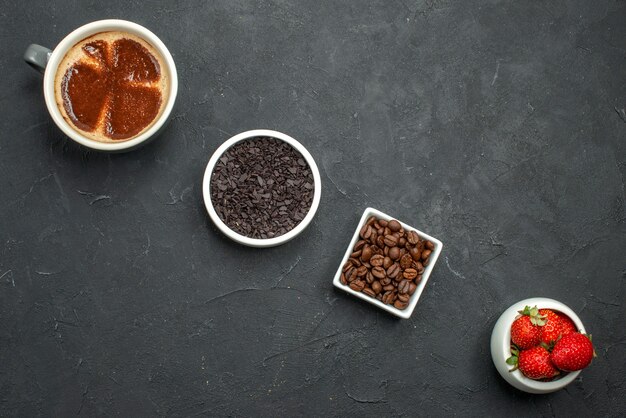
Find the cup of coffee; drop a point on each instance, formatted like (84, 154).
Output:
(109, 85)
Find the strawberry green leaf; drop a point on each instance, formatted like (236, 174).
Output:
(513, 360)
(594, 349)
(536, 318)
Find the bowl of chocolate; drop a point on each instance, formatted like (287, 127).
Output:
(261, 188)
(387, 263)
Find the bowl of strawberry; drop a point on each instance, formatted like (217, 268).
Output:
(540, 345)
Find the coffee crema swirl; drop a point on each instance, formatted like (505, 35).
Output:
(111, 87)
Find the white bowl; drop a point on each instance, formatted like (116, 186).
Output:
(501, 346)
(406, 313)
(256, 242)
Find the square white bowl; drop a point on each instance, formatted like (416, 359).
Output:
(405, 313)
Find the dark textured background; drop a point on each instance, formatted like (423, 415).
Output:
(496, 126)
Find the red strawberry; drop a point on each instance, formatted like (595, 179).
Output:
(573, 352)
(526, 329)
(567, 325)
(533, 363)
(551, 330)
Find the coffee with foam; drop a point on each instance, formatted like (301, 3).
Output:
(111, 86)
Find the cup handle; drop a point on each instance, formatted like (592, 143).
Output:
(37, 57)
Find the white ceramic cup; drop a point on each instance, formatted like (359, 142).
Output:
(256, 242)
(501, 346)
(47, 61)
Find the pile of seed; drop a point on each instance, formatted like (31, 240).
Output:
(262, 187)
(387, 263)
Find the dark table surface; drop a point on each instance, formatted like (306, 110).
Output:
(496, 126)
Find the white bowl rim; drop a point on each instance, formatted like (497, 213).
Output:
(83, 32)
(504, 347)
(406, 313)
(259, 242)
